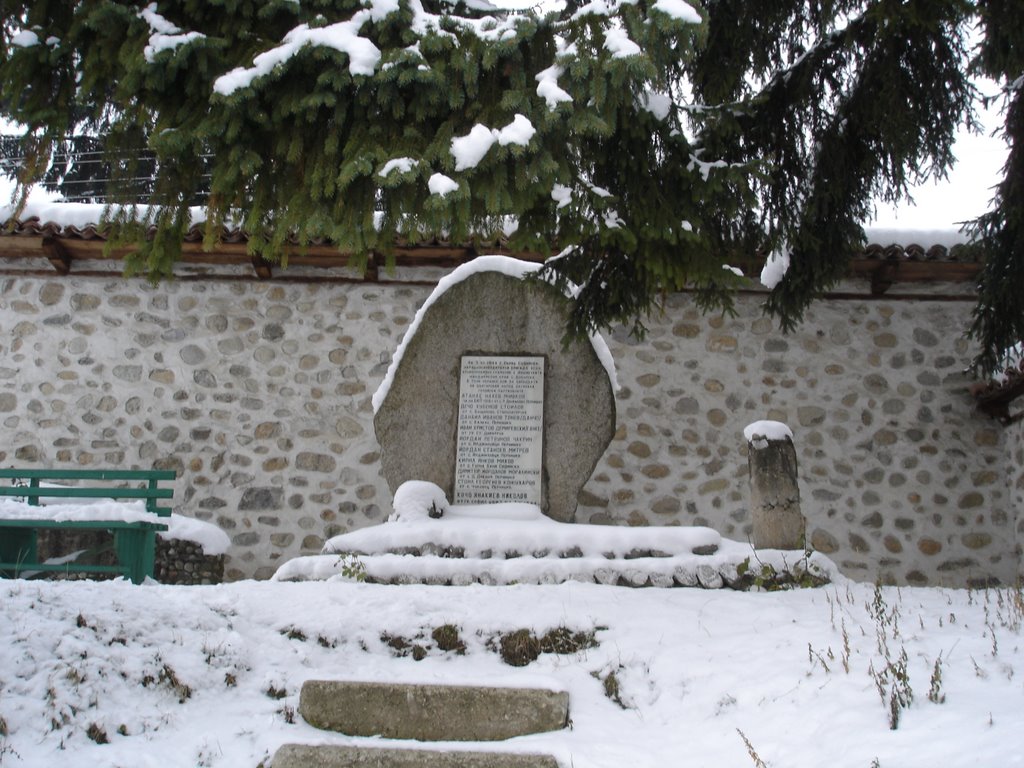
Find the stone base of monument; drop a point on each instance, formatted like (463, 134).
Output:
(479, 546)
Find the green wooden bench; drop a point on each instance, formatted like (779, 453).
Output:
(134, 542)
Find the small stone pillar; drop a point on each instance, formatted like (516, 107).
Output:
(774, 487)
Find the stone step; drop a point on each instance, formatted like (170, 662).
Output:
(325, 756)
(431, 712)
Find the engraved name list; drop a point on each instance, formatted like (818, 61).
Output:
(499, 448)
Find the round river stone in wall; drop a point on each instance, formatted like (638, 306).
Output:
(490, 313)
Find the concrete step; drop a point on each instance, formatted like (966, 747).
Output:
(431, 712)
(325, 756)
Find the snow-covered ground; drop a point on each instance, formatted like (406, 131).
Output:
(210, 676)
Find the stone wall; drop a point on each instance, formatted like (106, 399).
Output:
(259, 395)
(1015, 485)
(183, 562)
(900, 478)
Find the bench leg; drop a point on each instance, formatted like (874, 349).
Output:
(17, 545)
(136, 549)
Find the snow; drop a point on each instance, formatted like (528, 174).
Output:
(760, 432)
(442, 185)
(418, 500)
(678, 9)
(212, 539)
(657, 103)
(503, 265)
(343, 36)
(130, 512)
(735, 270)
(24, 38)
(548, 88)
(601, 8)
(400, 164)
(945, 236)
(618, 44)
(774, 268)
(705, 167)
(156, 22)
(166, 36)
(519, 132)
(561, 194)
(480, 529)
(512, 543)
(190, 676)
(43, 207)
(470, 149)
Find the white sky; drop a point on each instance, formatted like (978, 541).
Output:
(965, 194)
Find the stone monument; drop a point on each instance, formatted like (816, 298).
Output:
(774, 487)
(487, 402)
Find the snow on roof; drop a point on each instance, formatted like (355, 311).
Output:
(944, 236)
(80, 215)
(504, 265)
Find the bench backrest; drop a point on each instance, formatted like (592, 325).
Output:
(151, 491)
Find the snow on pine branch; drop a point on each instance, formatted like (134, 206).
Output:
(343, 36)
(548, 88)
(678, 9)
(24, 38)
(618, 44)
(165, 35)
(470, 149)
(364, 55)
(442, 185)
(400, 164)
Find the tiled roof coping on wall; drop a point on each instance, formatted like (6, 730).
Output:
(63, 244)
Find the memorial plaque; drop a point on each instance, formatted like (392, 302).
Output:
(500, 443)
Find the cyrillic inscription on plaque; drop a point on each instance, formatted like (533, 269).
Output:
(501, 430)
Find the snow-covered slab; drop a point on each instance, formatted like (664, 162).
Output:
(515, 544)
(737, 566)
(493, 531)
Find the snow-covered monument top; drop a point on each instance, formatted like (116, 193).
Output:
(483, 399)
